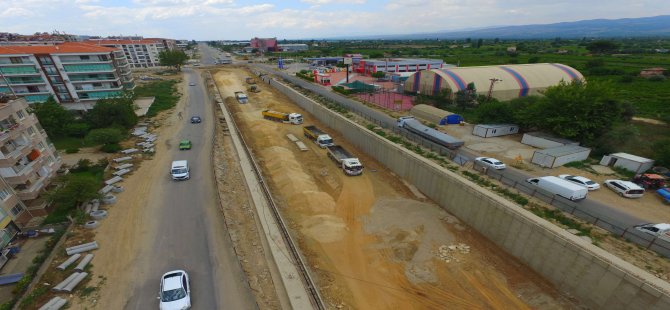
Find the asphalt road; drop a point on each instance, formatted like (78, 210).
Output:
(190, 232)
(594, 208)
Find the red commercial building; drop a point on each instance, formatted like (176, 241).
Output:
(265, 44)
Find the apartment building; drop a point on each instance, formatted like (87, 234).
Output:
(142, 53)
(28, 163)
(75, 74)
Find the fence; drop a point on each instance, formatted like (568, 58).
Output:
(612, 225)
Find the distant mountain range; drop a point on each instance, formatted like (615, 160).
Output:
(657, 26)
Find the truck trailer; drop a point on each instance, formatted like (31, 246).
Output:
(560, 187)
(241, 97)
(319, 137)
(287, 118)
(346, 161)
(430, 134)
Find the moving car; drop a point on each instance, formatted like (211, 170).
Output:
(191, 84)
(491, 162)
(175, 291)
(196, 120)
(590, 185)
(625, 188)
(179, 170)
(184, 145)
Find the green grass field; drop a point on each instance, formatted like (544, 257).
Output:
(165, 92)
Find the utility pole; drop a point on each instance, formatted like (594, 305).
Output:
(493, 81)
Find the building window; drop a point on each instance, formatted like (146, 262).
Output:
(16, 210)
(31, 130)
(20, 114)
(50, 159)
(4, 193)
(84, 57)
(16, 60)
(40, 146)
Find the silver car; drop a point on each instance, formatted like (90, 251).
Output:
(590, 185)
(491, 162)
(175, 293)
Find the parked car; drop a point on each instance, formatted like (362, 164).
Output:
(661, 230)
(196, 120)
(560, 187)
(175, 291)
(625, 188)
(491, 162)
(590, 185)
(184, 145)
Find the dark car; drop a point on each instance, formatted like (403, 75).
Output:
(196, 120)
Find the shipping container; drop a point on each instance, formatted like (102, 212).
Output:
(495, 130)
(559, 156)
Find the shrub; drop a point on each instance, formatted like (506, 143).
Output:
(656, 78)
(111, 148)
(626, 79)
(71, 150)
(78, 130)
(104, 136)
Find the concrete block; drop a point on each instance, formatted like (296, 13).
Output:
(114, 180)
(605, 288)
(292, 137)
(106, 189)
(121, 172)
(122, 159)
(301, 146)
(130, 151)
(124, 166)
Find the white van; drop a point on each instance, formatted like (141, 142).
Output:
(560, 187)
(180, 170)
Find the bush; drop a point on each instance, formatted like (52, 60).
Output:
(111, 148)
(341, 90)
(656, 78)
(104, 136)
(71, 150)
(626, 79)
(78, 130)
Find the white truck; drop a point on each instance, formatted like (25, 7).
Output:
(661, 231)
(349, 164)
(560, 187)
(179, 170)
(319, 137)
(241, 97)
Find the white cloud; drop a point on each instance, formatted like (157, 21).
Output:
(322, 2)
(16, 12)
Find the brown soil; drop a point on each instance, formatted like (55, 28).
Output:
(372, 243)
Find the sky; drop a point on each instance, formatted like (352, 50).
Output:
(300, 19)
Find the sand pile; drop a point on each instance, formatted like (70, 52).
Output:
(324, 228)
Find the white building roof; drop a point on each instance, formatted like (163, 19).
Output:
(632, 157)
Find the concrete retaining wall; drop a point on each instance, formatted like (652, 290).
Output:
(597, 278)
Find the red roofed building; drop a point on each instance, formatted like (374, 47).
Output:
(142, 53)
(265, 44)
(76, 74)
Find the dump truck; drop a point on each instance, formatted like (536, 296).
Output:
(349, 164)
(241, 97)
(319, 137)
(286, 118)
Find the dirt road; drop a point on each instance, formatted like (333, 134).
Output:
(373, 243)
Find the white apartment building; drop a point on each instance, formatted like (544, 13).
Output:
(75, 74)
(28, 163)
(141, 53)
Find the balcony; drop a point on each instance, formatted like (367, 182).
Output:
(17, 71)
(15, 81)
(34, 190)
(23, 172)
(80, 61)
(14, 156)
(98, 88)
(88, 68)
(24, 92)
(94, 79)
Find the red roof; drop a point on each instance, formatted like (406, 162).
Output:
(119, 42)
(64, 48)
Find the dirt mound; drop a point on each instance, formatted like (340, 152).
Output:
(311, 202)
(324, 228)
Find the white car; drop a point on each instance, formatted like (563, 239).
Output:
(175, 293)
(590, 185)
(490, 162)
(191, 84)
(625, 188)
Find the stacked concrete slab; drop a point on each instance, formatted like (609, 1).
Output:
(597, 278)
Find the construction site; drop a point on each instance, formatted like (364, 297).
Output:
(374, 241)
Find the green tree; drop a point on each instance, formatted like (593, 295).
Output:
(53, 117)
(172, 58)
(602, 47)
(662, 152)
(104, 136)
(110, 112)
(576, 110)
(494, 112)
(77, 129)
(78, 188)
(378, 74)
